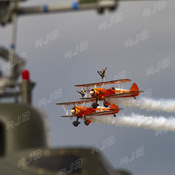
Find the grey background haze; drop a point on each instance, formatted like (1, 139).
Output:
(106, 48)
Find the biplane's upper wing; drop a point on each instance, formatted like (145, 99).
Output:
(101, 113)
(104, 83)
(76, 102)
(70, 103)
(95, 113)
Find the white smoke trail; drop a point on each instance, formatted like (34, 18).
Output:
(166, 105)
(138, 121)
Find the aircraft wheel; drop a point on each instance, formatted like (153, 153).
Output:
(76, 123)
(105, 104)
(86, 123)
(95, 105)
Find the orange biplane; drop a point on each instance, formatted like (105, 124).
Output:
(82, 112)
(100, 93)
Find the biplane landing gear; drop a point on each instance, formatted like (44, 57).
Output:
(86, 122)
(114, 115)
(95, 105)
(105, 103)
(135, 98)
(76, 123)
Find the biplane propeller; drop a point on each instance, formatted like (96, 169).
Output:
(80, 111)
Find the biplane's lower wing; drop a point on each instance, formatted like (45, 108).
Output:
(90, 99)
(68, 116)
(119, 95)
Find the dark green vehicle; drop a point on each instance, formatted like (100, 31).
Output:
(24, 149)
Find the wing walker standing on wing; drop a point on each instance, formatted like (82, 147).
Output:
(102, 73)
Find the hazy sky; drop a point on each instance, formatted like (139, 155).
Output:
(136, 41)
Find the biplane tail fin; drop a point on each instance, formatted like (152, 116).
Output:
(134, 87)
